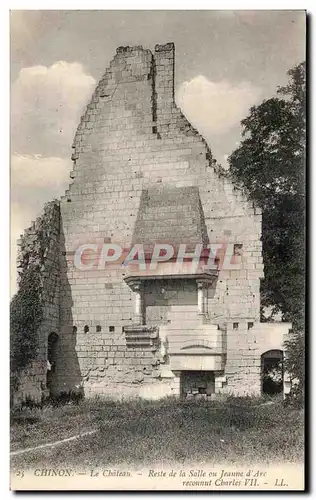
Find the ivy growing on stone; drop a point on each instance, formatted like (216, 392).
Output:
(26, 315)
(27, 306)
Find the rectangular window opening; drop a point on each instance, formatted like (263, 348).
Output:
(237, 249)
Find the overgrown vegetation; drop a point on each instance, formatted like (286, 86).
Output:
(165, 431)
(26, 314)
(295, 349)
(269, 164)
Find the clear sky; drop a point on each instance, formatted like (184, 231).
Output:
(226, 61)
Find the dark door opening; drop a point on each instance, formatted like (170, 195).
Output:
(197, 384)
(272, 372)
(52, 354)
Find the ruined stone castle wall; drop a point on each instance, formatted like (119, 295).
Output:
(132, 136)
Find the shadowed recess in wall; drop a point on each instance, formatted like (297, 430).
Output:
(67, 377)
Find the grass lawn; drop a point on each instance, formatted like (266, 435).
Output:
(167, 431)
(35, 426)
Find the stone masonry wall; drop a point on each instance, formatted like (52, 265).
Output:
(243, 367)
(109, 367)
(132, 137)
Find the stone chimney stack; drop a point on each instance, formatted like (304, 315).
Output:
(164, 84)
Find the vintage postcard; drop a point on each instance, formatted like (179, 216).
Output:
(157, 235)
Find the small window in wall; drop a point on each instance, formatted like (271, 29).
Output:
(111, 328)
(86, 329)
(98, 328)
(123, 329)
(237, 249)
(250, 325)
(235, 326)
(74, 329)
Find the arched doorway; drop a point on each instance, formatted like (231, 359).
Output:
(52, 354)
(272, 372)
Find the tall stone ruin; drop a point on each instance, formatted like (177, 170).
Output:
(143, 175)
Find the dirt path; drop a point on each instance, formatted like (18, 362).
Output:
(48, 445)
